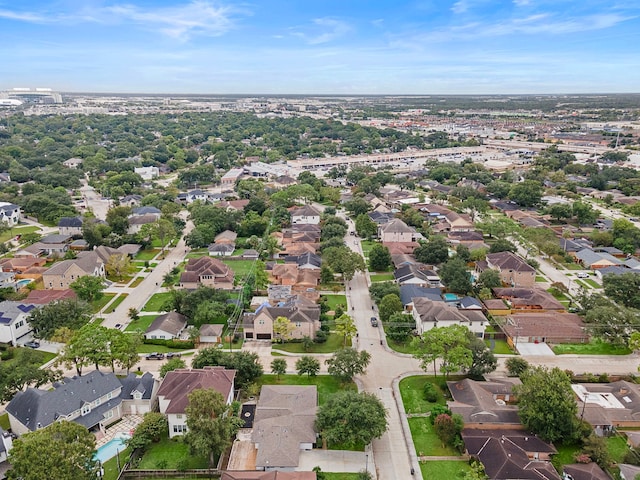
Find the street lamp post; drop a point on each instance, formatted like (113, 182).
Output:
(584, 404)
(366, 462)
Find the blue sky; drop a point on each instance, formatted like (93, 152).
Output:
(322, 46)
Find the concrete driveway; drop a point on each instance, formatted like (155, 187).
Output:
(538, 349)
(336, 461)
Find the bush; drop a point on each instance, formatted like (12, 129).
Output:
(516, 366)
(430, 393)
(321, 336)
(438, 410)
(179, 344)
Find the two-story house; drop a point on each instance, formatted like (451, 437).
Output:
(303, 314)
(13, 321)
(207, 271)
(514, 271)
(305, 215)
(396, 231)
(71, 226)
(10, 213)
(173, 394)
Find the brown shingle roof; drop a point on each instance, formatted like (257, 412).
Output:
(178, 384)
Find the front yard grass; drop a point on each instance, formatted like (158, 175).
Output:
(326, 384)
(141, 324)
(97, 305)
(146, 255)
(425, 439)
(334, 300)
(111, 466)
(115, 303)
(381, 277)
(540, 278)
(334, 342)
(401, 347)
(412, 393)
(593, 283)
(12, 232)
(156, 302)
(444, 469)
(339, 476)
(367, 245)
(500, 347)
(4, 422)
(595, 347)
(171, 454)
(136, 282)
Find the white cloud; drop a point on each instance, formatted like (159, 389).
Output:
(324, 30)
(199, 17)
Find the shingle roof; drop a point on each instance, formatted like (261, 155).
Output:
(171, 322)
(134, 383)
(74, 222)
(148, 210)
(396, 226)
(476, 401)
(36, 408)
(9, 311)
(305, 211)
(178, 384)
(509, 261)
(409, 292)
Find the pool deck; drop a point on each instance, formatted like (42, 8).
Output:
(126, 425)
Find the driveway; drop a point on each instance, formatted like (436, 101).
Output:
(336, 461)
(535, 349)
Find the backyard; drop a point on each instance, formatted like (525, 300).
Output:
(240, 267)
(425, 439)
(444, 469)
(146, 255)
(595, 347)
(381, 277)
(412, 392)
(334, 300)
(171, 454)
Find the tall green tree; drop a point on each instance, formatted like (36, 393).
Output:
(308, 365)
(24, 370)
(64, 313)
(365, 227)
(211, 424)
(390, 305)
(449, 344)
(150, 430)
(547, 404)
(63, 450)
(346, 327)
(88, 288)
(351, 418)
(434, 252)
(483, 360)
(455, 276)
(278, 367)
(346, 363)
(379, 258)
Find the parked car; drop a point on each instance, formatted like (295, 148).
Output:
(374, 322)
(154, 356)
(583, 275)
(118, 326)
(173, 355)
(32, 344)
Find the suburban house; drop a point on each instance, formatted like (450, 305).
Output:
(529, 299)
(454, 222)
(147, 173)
(609, 406)
(483, 404)
(10, 213)
(146, 210)
(305, 215)
(138, 393)
(302, 281)
(305, 261)
(131, 200)
(13, 321)
(71, 226)
(136, 222)
(413, 275)
(62, 274)
(272, 475)
(6, 444)
(396, 231)
(167, 326)
(596, 260)
(545, 328)
(510, 454)
(92, 400)
(43, 297)
(231, 177)
(514, 271)
(226, 237)
(284, 425)
(207, 271)
(586, 471)
(303, 314)
(173, 394)
(211, 333)
(429, 314)
(221, 249)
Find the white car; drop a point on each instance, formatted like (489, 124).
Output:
(583, 275)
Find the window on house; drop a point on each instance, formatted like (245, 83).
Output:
(96, 402)
(85, 409)
(179, 428)
(109, 395)
(137, 395)
(108, 414)
(179, 415)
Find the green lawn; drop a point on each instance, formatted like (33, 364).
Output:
(401, 347)
(411, 391)
(367, 245)
(4, 422)
(156, 302)
(146, 255)
(595, 347)
(149, 348)
(593, 283)
(141, 324)
(339, 476)
(425, 439)
(47, 356)
(115, 303)
(381, 277)
(326, 384)
(197, 253)
(540, 278)
(566, 455)
(97, 305)
(444, 469)
(334, 300)
(583, 284)
(12, 232)
(136, 282)
(618, 448)
(111, 466)
(572, 266)
(239, 267)
(500, 347)
(334, 342)
(171, 452)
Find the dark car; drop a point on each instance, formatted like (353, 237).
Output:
(154, 356)
(374, 322)
(32, 344)
(173, 355)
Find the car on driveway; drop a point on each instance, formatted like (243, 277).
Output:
(583, 275)
(173, 355)
(154, 356)
(32, 344)
(118, 326)
(374, 322)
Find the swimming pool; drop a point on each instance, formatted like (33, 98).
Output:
(450, 297)
(109, 449)
(23, 282)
